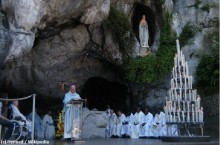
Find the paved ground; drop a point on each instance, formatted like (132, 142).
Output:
(115, 142)
(129, 142)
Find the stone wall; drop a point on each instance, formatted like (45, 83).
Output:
(47, 43)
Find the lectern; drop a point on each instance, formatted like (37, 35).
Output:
(76, 105)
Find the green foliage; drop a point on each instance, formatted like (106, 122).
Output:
(196, 4)
(154, 67)
(205, 7)
(208, 69)
(187, 33)
(120, 26)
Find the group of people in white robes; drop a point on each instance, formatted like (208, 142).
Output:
(43, 128)
(137, 125)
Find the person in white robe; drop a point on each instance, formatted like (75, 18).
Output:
(118, 124)
(71, 113)
(38, 125)
(137, 120)
(111, 122)
(49, 129)
(126, 126)
(159, 127)
(145, 128)
(16, 113)
(108, 111)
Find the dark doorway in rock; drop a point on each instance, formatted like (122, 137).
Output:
(101, 92)
(138, 12)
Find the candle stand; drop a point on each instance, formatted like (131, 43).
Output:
(184, 114)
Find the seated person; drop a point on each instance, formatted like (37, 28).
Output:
(38, 123)
(7, 123)
(126, 125)
(49, 129)
(17, 113)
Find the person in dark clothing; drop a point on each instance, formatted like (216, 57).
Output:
(7, 123)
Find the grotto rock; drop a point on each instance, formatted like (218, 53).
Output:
(95, 121)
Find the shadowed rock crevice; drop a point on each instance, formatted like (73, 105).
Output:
(101, 92)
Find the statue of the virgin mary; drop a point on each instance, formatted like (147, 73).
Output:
(143, 32)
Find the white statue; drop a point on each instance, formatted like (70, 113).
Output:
(143, 32)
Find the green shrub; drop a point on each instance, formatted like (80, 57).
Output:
(188, 32)
(205, 7)
(154, 67)
(196, 4)
(207, 73)
(119, 23)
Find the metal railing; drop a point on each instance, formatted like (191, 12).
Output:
(33, 110)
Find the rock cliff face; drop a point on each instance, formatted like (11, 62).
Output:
(47, 43)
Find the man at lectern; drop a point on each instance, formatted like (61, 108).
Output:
(69, 111)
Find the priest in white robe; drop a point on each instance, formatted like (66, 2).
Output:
(126, 126)
(49, 129)
(145, 128)
(110, 123)
(159, 127)
(137, 120)
(71, 113)
(118, 124)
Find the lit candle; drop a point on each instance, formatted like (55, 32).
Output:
(198, 101)
(187, 69)
(184, 66)
(174, 105)
(180, 81)
(169, 97)
(188, 117)
(175, 60)
(193, 117)
(178, 114)
(176, 73)
(184, 107)
(190, 82)
(174, 116)
(196, 114)
(175, 93)
(178, 46)
(170, 117)
(183, 115)
(179, 70)
(178, 103)
(201, 114)
(185, 95)
(171, 83)
(190, 95)
(193, 95)
(182, 58)
(171, 94)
